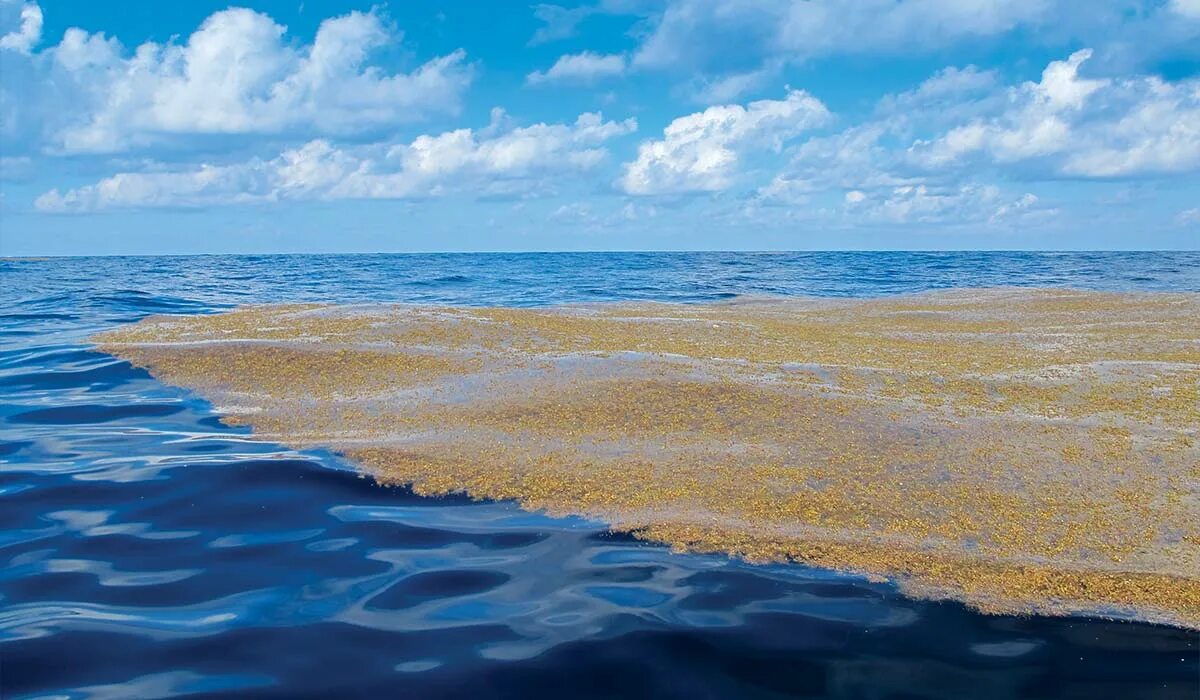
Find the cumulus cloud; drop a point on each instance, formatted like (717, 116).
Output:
(27, 31)
(1069, 125)
(872, 154)
(583, 67)
(497, 159)
(238, 73)
(961, 125)
(963, 146)
(924, 156)
(699, 152)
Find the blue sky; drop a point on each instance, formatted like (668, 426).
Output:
(288, 126)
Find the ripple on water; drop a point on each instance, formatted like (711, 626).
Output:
(110, 585)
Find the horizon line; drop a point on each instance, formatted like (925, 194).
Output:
(766, 251)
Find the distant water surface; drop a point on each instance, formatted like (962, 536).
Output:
(149, 551)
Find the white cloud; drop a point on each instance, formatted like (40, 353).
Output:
(1188, 217)
(574, 212)
(963, 146)
(583, 67)
(237, 74)
(1187, 8)
(712, 41)
(635, 212)
(731, 86)
(1034, 123)
(518, 152)
(558, 22)
(582, 216)
(925, 204)
(859, 157)
(14, 168)
(961, 124)
(28, 31)
(925, 155)
(496, 160)
(872, 154)
(1026, 204)
(697, 31)
(1069, 125)
(947, 92)
(699, 152)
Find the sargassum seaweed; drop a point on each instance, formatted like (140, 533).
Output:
(1021, 450)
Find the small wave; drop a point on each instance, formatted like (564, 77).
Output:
(83, 414)
(442, 281)
(108, 375)
(138, 301)
(38, 317)
(292, 612)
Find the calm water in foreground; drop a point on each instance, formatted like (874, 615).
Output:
(148, 551)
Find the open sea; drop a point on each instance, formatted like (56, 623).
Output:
(148, 551)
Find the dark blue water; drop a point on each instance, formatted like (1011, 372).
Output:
(149, 551)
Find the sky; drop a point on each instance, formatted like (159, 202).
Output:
(343, 126)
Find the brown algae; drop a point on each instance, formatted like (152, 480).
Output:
(1020, 450)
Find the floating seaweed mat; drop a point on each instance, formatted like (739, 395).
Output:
(1019, 450)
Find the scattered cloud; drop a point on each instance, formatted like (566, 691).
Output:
(589, 217)
(586, 67)
(330, 115)
(1187, 8)
(695, 32)
(961, 125)
(497, 160)
(699, 152)
(558, 22)
(858, 157)
(237, 74)
(961, 204)
(952, 92)
(573, 212)
(925, 204)
(1068, 125)
(731, 86)
(27, 31)
(1188, 217)
(719, 39)
(15, 168)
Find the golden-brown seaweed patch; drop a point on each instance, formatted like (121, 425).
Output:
(1021, 450)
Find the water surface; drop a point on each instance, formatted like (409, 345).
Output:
(150, 551)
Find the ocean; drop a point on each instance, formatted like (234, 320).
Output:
(149, 550)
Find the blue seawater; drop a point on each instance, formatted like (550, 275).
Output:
(148, 551)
